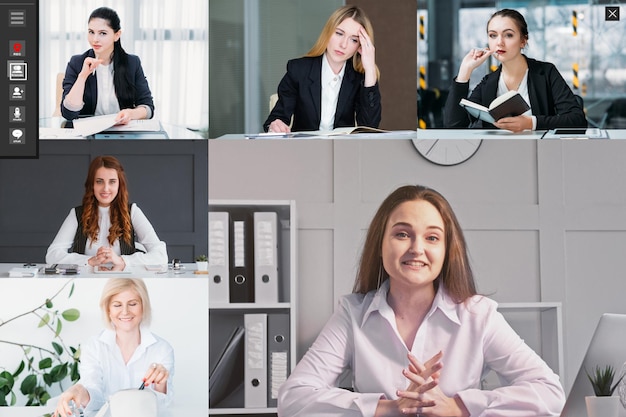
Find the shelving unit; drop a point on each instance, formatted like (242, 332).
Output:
(224, 317)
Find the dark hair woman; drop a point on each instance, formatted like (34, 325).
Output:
(106, 79)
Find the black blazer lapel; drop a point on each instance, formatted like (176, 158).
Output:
(315, 87)
(537, 91)
(491, 87)
(345, 101)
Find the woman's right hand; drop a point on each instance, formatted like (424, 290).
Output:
(89, 66)
(76, 393)
(278, 126)
(471, 61)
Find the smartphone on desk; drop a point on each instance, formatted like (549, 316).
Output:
(65, 269)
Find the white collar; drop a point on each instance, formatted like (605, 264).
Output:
(441, 302)
(327, 71)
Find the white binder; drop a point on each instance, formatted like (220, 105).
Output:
(265, 257)
(218, 257)
(255, 356)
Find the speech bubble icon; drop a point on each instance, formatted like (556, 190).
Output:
(17, 133)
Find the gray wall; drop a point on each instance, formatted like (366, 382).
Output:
(545, 220)
(166, 178)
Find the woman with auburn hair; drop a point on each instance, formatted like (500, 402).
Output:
(124, 355)
(335, 83)
(415, 335)
(103, 231)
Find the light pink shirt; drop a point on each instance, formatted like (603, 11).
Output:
(362, 336)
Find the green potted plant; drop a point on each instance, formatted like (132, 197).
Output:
(603, 404)
(202, 263)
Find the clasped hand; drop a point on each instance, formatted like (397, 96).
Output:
(423, 395)
(106, 255)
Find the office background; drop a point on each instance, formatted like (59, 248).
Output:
(172, 317)
(170, 38)
(167, 180)
(544, 220)
(251, 42)
(574, 35)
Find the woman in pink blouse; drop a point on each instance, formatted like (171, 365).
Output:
(415, 334)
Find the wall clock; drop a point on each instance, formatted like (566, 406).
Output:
(447, 152)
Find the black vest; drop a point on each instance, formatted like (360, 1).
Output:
(80, 239)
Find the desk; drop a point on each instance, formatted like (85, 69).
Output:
(173, 411)
(476, 134)
(396, 134)
(172, 131)
(187, 271)
(498, 134)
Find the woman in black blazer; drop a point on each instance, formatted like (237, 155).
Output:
(335, 84)
(105, 79)
(552, 103)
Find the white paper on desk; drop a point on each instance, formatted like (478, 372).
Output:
(58, 133)
(142, 125)
(87, 126)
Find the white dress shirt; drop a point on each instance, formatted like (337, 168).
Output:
(331, 84)
(103, 371)
(362, 336)
(156, 251)
(107, 100)
(523, 91)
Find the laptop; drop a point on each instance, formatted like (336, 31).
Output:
(607, 347)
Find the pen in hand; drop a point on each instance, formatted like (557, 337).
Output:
(143, 385)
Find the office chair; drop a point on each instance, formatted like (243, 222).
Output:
(273, 101)
(615, 115)
(59, 94)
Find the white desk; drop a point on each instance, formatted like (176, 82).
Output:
(497, 134)
(476, 134)
(616, 133)
(188, 270)
(54, 128)
(396, 134)
(173, 411)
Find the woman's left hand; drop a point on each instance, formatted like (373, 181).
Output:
(515, 124)
(124, 117)
(157, 374)
(368, 57)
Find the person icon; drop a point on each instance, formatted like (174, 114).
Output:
(17, 93)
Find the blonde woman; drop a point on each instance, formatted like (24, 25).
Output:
(335, 83)
(125, 355)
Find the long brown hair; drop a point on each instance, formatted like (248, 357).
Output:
(338, 16)
(119, 210)
(456, 274)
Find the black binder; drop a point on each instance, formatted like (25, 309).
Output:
(241, 280)
(278, 354)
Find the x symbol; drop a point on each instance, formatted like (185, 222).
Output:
(611, 13)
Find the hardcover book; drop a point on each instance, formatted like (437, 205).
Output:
(509, 104)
